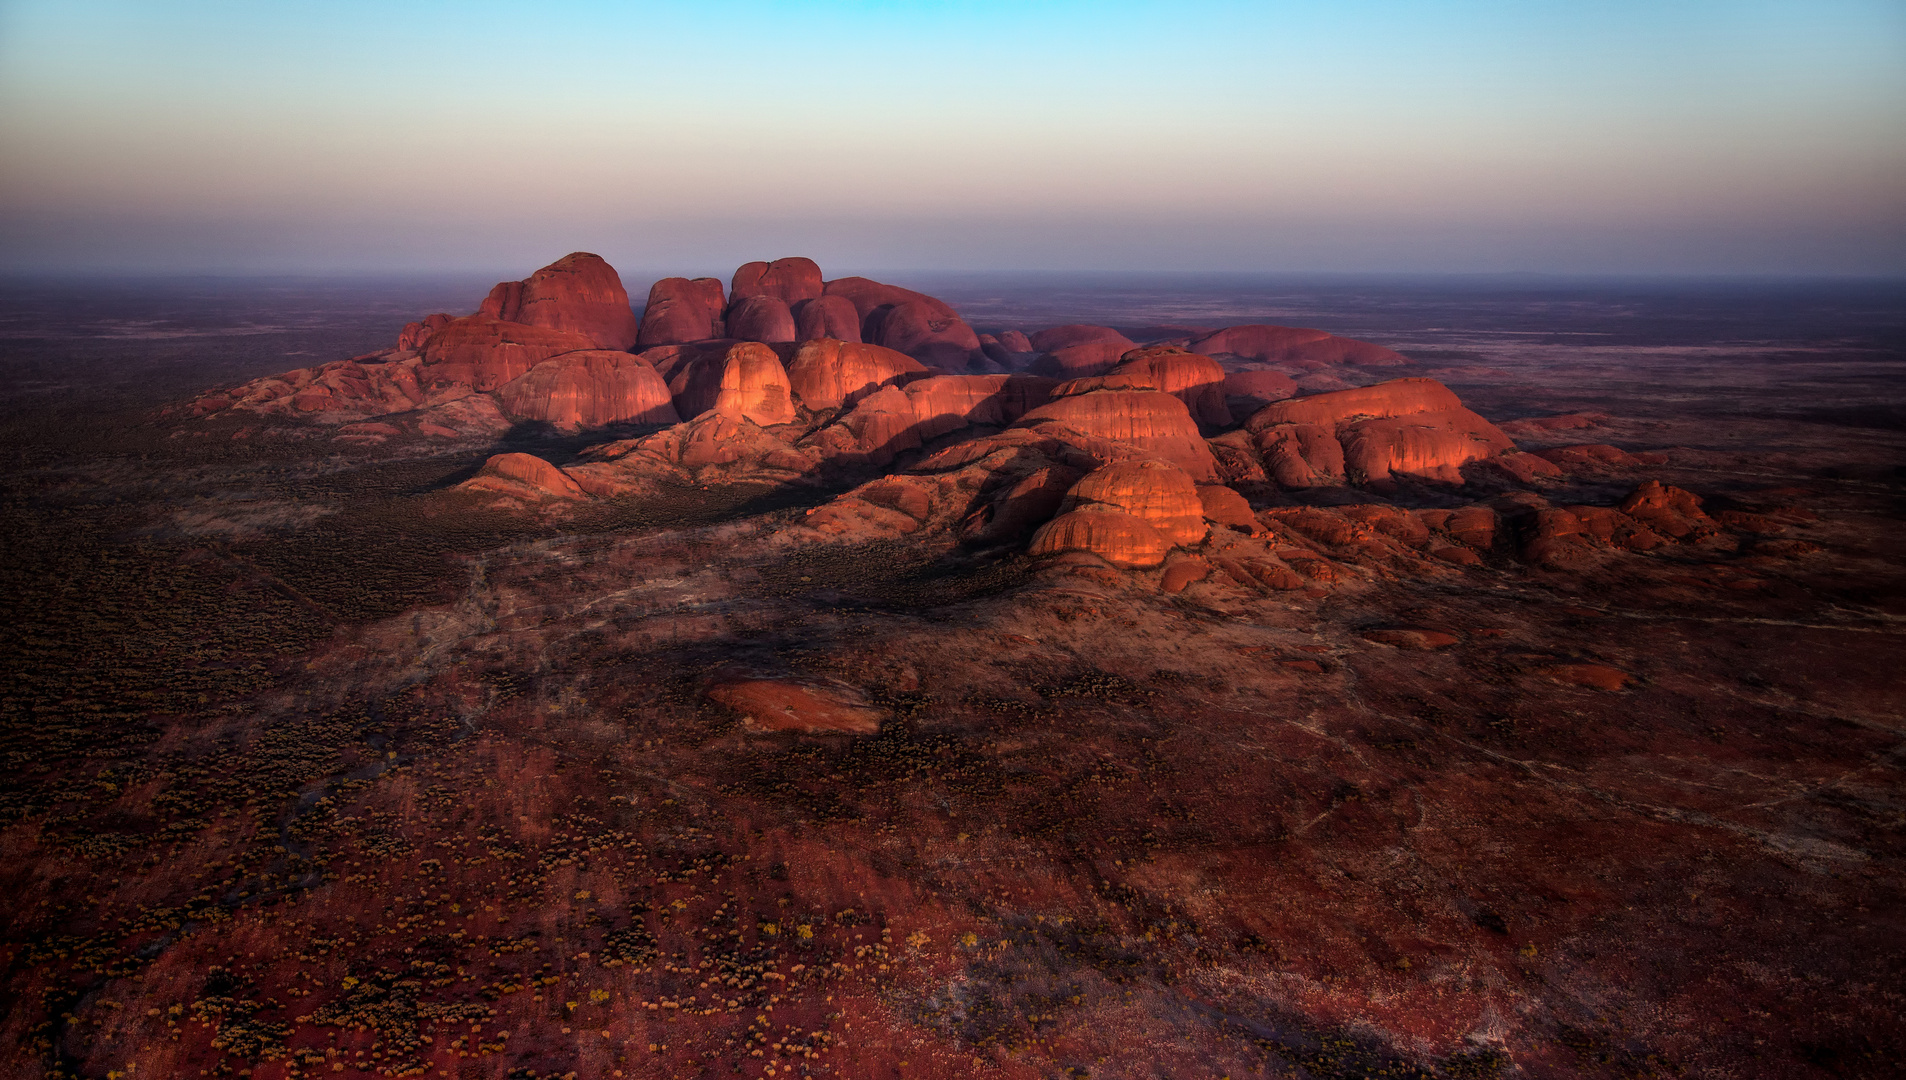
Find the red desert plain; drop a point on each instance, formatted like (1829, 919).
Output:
(795, 676)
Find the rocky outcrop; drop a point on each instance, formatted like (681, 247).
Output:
(1074, 334)
(478, 353)
(589, 389)
(744, 380)
(789, 280)
(524, 477)
(828, 373)
(760, 318)
(826, 317)
(1161, 495)
(907, 321)
(1123, 540)
(1245, 392)
(681, 310)
(1196, 380)
(1294, 345)
(577, 294)
(1151, 420)
(1406, 426)
(895, 419)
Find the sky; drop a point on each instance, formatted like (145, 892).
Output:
(1758, 137)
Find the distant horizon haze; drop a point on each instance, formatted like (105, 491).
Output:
(1708, 138)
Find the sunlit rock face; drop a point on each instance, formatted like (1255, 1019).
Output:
(588, 389)
(1411, 426)
(578, 294)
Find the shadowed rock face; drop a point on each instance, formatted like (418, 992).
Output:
(743, 381)
(761, 318)
(895, 419)
(578, 293)
(826, 373)
(1149, 419)
(681, 310)
(920, 330)
(826, 317)
(590, 389)
(1246, 392)
(1079, 361)
(1066, 337)
(789, 280)
(1196, 380)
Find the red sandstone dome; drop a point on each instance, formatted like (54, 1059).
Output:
(589, 389)
(1414, 426)
(787, 280)
(1120, 539)
(1149, 419)
(743, 381)
(918, 329)
(578, 293)
(523, 476)
(761, 318)
(827, 374)
(826, 317)
(1065, 337)
(482, 354)
(1160, 494)
(1292, 345)
(1252, 390)
(681, 310)
(1196, 380)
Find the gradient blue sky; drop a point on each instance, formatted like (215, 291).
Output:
(1677, 136)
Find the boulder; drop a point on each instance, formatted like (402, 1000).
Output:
(589, 389)
(826, 317)
(760, 318)
(523, 476)
(578, 293)
(681, 310)
(789, 280)
(827, 373)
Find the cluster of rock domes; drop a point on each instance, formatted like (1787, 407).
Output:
(1127, 453)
